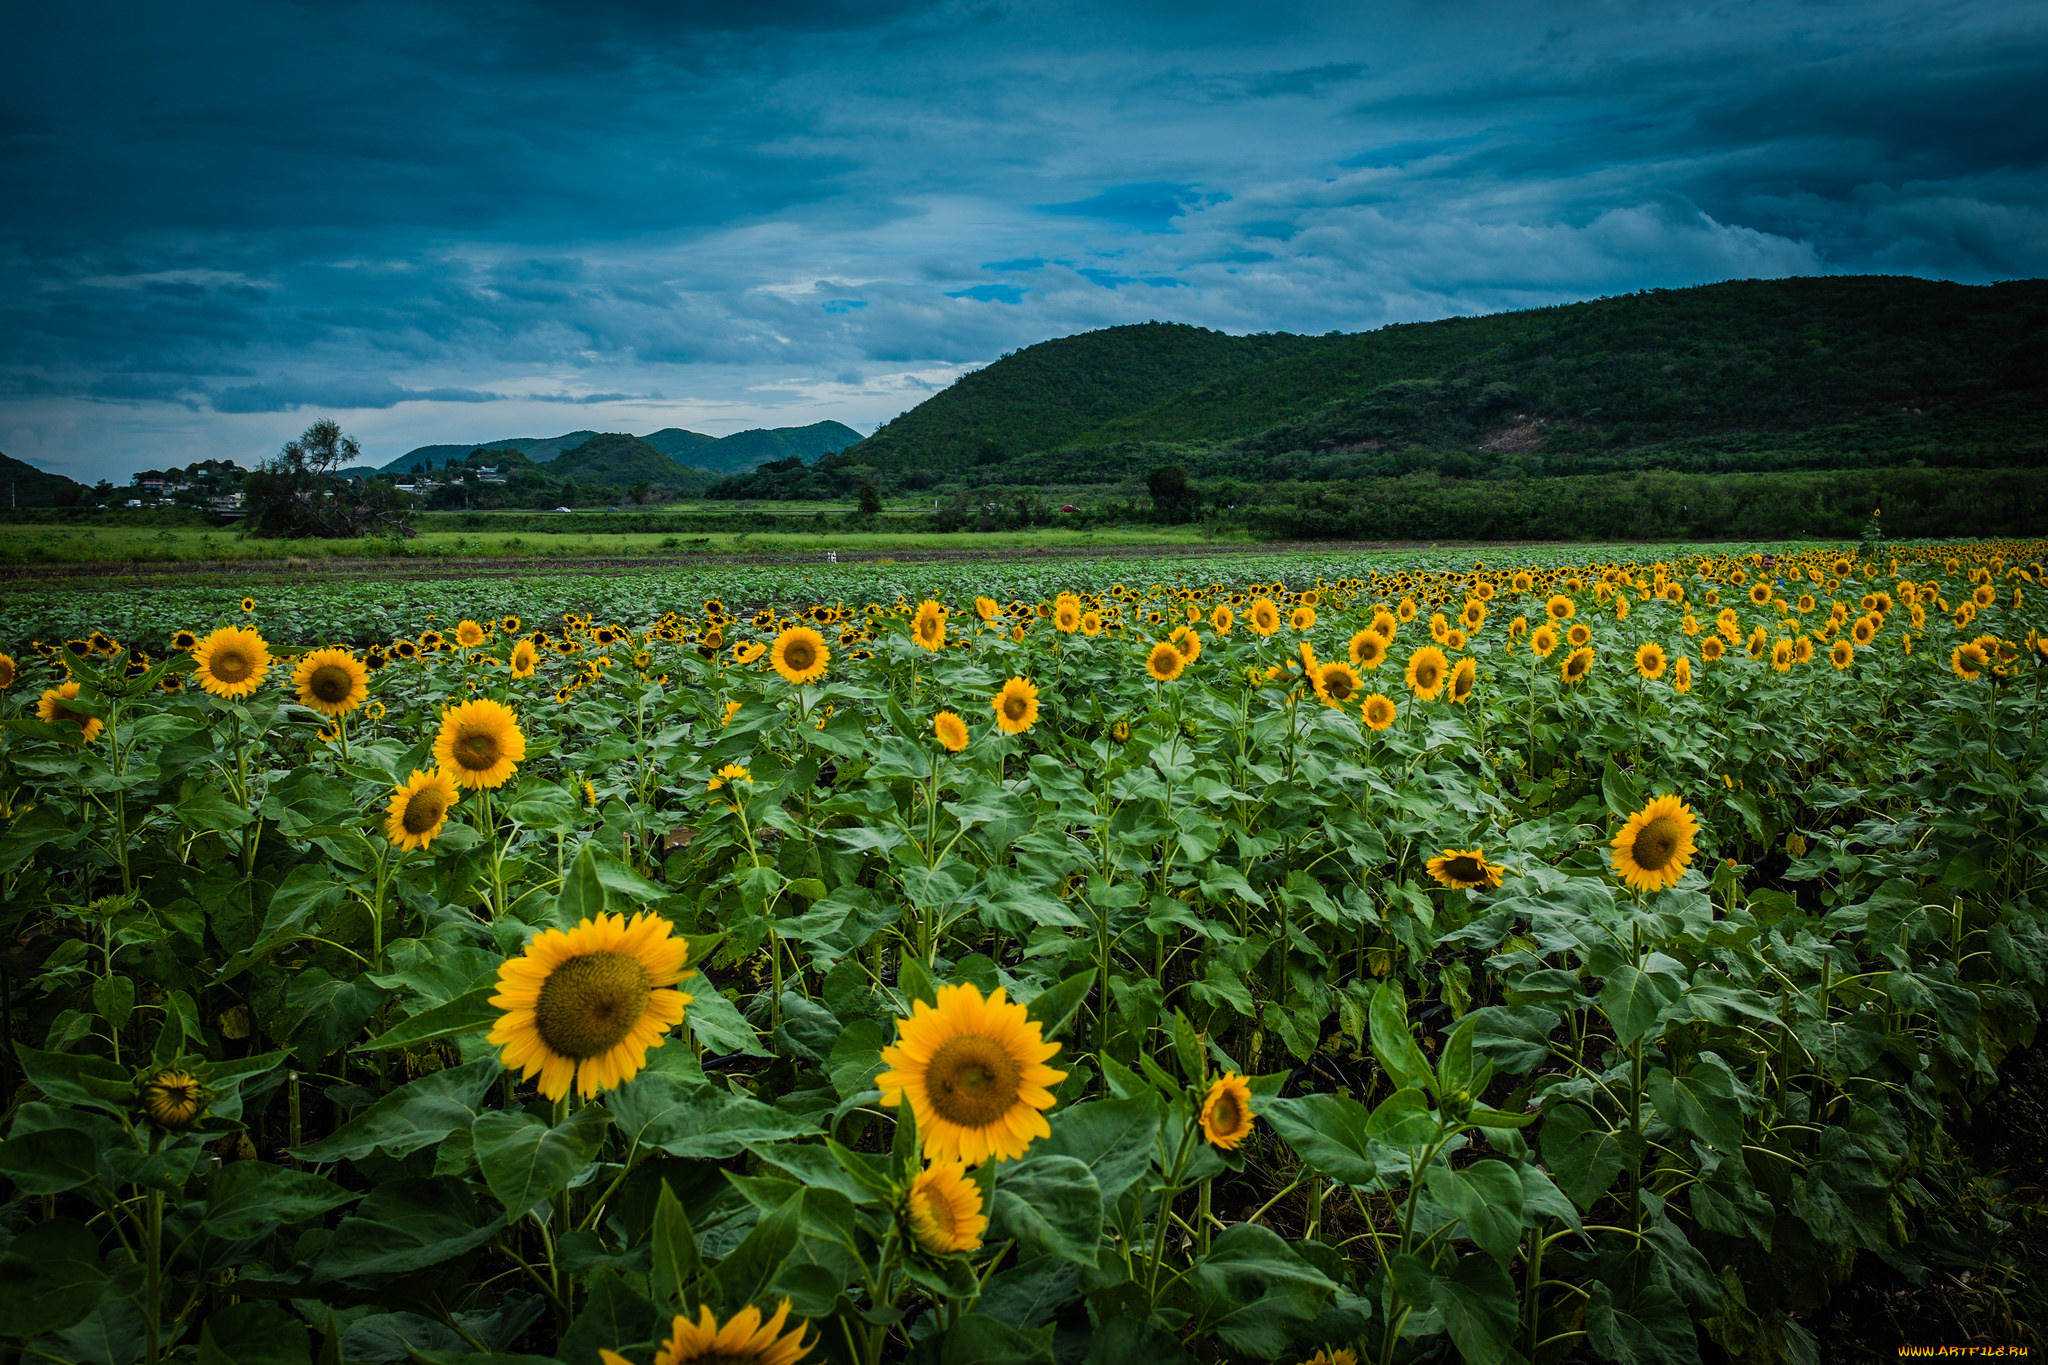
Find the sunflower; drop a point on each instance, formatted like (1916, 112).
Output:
(1091, 623)
(419, 809)
(943, 1207)
(974, 1073)
(1222, 619)
(480, 743)
(183, 641)
(1681, 674)
(1781, 656)
(951, 730)
(1066, 615)
(331, 681)
(1302, 618)
(1474, 614)
(1578, 635)
(1426, 669)
(731, 773)
(1711, 649)
(986, 608)
(524, 657)
(1650, 660)
(1577, 665)
(1463, 677)
(50, 708)
(1121, 732)
(1543, 641)
(231, 662)
(1865, 630)
(1761, 594)
(1968, 662)
(1842, 654)
(173, 1098)
(587, 1003)
(1335, 683)
(9, 672)
(1188, 642)
(1227, 1112)
(469, 634)
(799, 655)
(1016, 705)
(744, 1340)
(1368, 650)
(1654, 847)
(1560, 607)
(929, 628)
(1378, 711)
(1263, 616)
(748, 651)
(1165, 662)
(248, 604)
(509, 624)
(1464, 869)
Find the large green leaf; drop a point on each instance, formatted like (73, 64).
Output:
(253, 1334)
(526, 1162)
(404, 1226)
(1701, 1102)
(1255, 1292)
(1116, 1139)
(1050, 1204)
(1393, 1041)
(1585, 1155)
(53, 1277)
(1328, 1132)
(1651, 1328)
(701, 1122)
(978, 1339)
(252, 1198)
(410, 1117)
(1487, 1198)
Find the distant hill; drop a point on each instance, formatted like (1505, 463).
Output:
(23, 485)
(621, 460)
(732, 454)
(1830, 372)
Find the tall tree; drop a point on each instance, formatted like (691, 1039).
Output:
(300, 493)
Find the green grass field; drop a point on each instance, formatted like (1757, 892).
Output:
(71, 545)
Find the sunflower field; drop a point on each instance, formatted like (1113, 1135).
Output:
(1569, 961)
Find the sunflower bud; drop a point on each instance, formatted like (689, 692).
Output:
(173, 1099)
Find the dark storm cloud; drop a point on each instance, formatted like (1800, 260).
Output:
(451, 220)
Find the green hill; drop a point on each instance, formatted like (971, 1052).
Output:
(678, 442)
(1812, 373)
(536, 448)
(622, 460)
(23, 485)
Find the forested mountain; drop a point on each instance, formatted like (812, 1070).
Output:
(23, 485)
(1755, 375)
(741, 451)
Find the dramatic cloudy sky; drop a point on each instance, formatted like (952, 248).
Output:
(478, 218)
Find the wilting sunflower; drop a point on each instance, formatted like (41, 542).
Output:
(951, 730)
(173, 1098)
(331, 681)
(469, 634)
(1656, 845)
(1121, 732)
(586, 1004)
(1016, 705)
(974, 1073)
(1227, 1112)
(1377, 711)
(1464, 869)
(419, 809)
(943, 1208)
(799, 655)
(1463, 677)
(480, 743)
(744, 1340)
(1577, 665)
(50, 709)
(231, 662)
(929, 628)
(1427, 668)
(1650, 661)
(1263, 616)
(1164, 663)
